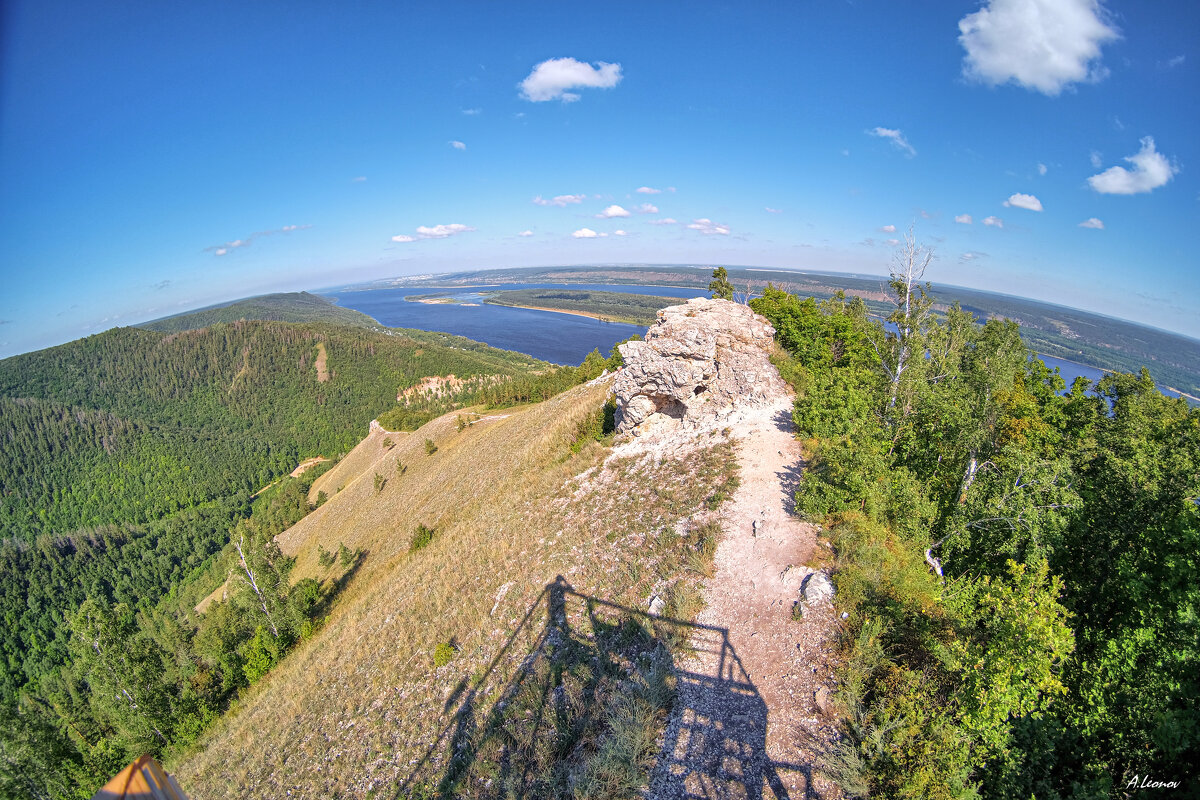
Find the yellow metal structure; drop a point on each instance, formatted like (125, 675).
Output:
(144, 779)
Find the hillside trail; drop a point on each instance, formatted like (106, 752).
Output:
(746, 715)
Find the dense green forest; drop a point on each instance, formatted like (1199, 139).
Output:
(1019, 565)
(284, 307)
(133, 425)
(635, 309)
(128, 461)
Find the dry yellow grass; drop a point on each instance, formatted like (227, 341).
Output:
(353, 711)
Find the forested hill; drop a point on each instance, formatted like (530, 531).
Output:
(283, 307)
(132, 425)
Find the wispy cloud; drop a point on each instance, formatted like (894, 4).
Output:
(1042, 169)
(1092, 222)
(770, 210)
(993, 222)
(457, 145)
(158, 287)
(359, 179)
(647, 190)
(708, 227)
(561, 200)
(664, 221)
(1041, 45)
(1026, 201)
(472, 112)
(970, 256)
(964, 219)
(647, 208)
(896, 138)
(612, 212)
(433, 232)
(229, 247)
(1151, 169)
(525, 233)
(1095, 158)
(551, 79)
(619, 233)
(888, 228)
(1172, 63)
(587, 233)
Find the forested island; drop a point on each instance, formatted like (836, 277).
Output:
(635, 309)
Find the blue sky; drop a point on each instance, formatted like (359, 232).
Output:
(159, 157)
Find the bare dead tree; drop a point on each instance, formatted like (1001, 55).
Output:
(253, 583)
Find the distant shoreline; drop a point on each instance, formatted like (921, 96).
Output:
(600, 317)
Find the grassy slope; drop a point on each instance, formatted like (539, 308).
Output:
(635, 309)
(361, 706)
(283, 307)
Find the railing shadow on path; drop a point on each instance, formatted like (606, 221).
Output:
(546, 693)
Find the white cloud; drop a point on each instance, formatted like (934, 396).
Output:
(1043, 45)
(561, 200)
(1151, 169)
(457, 145)
(897, 139)
(359, 179)
(888, 229)
(994, 222)
(707, 227)
(1172, 63)
(964, 219)
(1026, 201)
(893, 242)
(619, 233)
(647, 190)
(1042, 170)
(228, 247)
(434, 232)
(551, 79)
(970, 256)
(664, 221)
(647, 208)
(442, 231)
(525, 233)
(586, 233)
(472, 112)
(770, 210)
(612, 212)
(1092, 222)
(1095, 158)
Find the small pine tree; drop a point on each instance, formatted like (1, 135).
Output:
(400, 468)
(346, 555)
(461, 423)
(720, 287)
(379, 482)
(321, 498)
(324, 557)
(430, 447)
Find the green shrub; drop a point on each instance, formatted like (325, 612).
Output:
(430, 447)
(346, 555)
(324, 557)
(380, 481)
(421, 537)
(443, 654)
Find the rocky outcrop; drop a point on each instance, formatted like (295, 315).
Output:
(699, 362)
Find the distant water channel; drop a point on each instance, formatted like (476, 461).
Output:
(548, 335)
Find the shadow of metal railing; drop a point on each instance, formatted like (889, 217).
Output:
(715, 741)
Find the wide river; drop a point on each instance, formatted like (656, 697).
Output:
(548, 335)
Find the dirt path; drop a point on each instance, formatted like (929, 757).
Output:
(322, 357)
(746, 713)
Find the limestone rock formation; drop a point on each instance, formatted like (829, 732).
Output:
(699, 362)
